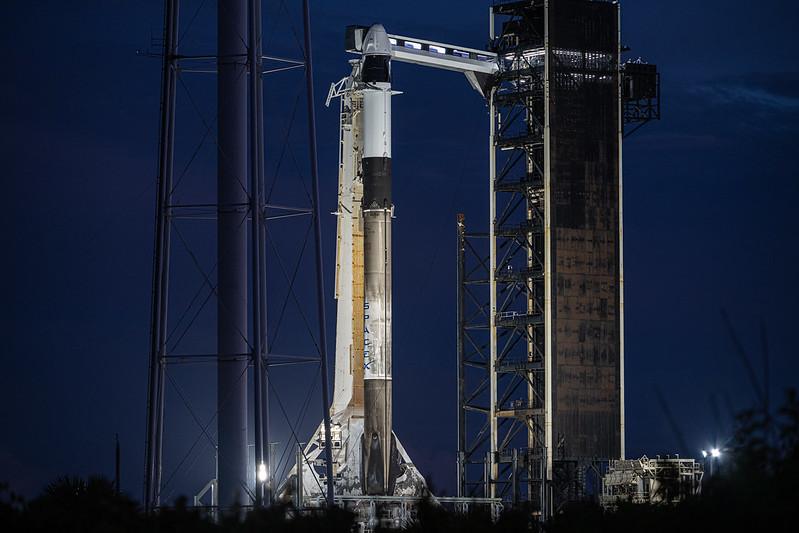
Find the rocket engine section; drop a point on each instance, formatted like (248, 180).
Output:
(380, 462)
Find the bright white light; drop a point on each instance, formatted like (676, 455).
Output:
(704, 453)
(715, 452)
(262, 472)
(438, 49)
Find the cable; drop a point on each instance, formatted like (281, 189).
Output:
(188, 308)
(207, 280)
(284, 147)
(293, 433)
(303, 411)
(197, 440)
(292, 293)
(291, 285)
(191, 21)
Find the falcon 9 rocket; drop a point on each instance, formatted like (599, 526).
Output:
(368, 458)
(377, 443)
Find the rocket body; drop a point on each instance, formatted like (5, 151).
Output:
(378, 447)
(369, 459)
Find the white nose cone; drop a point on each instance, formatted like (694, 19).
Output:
(376, 42)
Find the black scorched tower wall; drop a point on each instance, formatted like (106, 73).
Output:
(585, 211)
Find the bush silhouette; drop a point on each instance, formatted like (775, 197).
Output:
(756, 490)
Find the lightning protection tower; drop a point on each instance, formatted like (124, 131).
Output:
(242, 216)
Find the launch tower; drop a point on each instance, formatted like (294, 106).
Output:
(541, 294)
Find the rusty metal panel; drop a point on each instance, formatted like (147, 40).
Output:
(585, 220)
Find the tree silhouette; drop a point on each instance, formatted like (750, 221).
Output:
(74, 505)
(757, 490)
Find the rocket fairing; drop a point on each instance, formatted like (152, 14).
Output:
(377, 447)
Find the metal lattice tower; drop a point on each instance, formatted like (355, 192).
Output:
(502, 345)
(540, 295)
(243, 214)
(520, 325)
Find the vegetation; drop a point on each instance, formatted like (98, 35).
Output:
(757, 489)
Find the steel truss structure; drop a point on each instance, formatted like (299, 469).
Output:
(244, 56)
(557, 110)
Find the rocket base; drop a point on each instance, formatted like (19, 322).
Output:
(346, 439)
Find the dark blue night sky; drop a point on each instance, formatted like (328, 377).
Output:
(709, 211)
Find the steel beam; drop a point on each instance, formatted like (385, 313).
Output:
(232, 96)
(256, 247)
(459, 309)
(548, 440)
(492, 468)
(621, 235)
(160, 281)
(320, 283)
